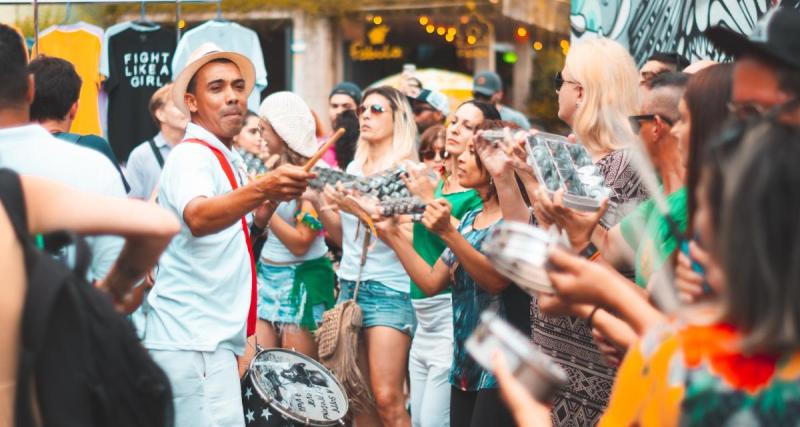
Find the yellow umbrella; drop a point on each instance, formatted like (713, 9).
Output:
(457, 86)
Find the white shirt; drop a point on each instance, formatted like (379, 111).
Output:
(274, 250)
(202, 294)
(382, 264)
(143, 170)
(32, 150)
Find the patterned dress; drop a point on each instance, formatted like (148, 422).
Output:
(695, 376)
(469, 301)
(568, 340)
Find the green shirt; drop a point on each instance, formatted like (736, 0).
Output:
(428, 245)
(646, 230)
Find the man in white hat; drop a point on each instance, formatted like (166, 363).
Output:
(203, 304)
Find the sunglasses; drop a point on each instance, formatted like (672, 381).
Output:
(374, 109)
(431, 154)
(559, 81)
(636, 121)
(480, 97)
(419, 109)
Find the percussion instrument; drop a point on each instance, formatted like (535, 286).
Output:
(561, 164)
(542, 377)
(283, 388)
(519, 251)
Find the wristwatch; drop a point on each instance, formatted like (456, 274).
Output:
(589, 251)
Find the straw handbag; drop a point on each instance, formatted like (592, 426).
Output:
(337, 339)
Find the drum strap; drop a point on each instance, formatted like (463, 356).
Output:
(226, 167)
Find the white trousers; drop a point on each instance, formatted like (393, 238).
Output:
(430, 361)
(205, 387)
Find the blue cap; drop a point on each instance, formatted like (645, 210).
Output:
(347, 88)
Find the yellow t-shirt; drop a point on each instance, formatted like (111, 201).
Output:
(82, 48)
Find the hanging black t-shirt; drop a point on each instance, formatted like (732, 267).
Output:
(139, 64)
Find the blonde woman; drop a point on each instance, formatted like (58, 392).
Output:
(598, 89)
(388, 135)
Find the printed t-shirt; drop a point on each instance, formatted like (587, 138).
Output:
(428, 245)
(231, 37)
(80, 45)
(469, 301)
(138, 64)
(647, 231)
(202, 298)
(695, 376)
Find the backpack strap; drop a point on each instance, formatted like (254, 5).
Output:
(69, 137)
(14, 203)
(156, 152)
(44, 284)
(226, 167)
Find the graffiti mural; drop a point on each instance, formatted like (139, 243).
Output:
(648, 26)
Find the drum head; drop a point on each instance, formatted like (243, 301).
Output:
(298, 387)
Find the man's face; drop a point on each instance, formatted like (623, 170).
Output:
(755, 87)
(426, 116)
(339, 103)
(219, 101)
(651, 69)
(172, 116)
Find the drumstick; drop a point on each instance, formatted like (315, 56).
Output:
(318, 155)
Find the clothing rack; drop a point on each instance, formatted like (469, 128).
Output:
(36, 3)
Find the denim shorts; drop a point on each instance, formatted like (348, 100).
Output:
(275, 294)
(381, 305)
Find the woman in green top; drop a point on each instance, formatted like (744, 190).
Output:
(431, 353)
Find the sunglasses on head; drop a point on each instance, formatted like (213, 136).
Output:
(374, 109)
(636, 121)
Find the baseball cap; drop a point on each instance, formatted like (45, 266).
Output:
(487, 83)
(347, 88)
(776, 36)
(435, 99)
(201, 56)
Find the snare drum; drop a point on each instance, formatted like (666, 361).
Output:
(519, 251)
(283, 388)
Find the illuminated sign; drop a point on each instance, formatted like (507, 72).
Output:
(377, 49)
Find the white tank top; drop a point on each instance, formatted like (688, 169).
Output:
(274, 250)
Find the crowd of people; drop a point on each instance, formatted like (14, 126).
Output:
(674, 303)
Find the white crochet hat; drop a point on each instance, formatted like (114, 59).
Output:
(291, 118)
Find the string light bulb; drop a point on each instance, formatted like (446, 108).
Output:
(377, 20)
(537, 45)
(430, 28)
(440, 31)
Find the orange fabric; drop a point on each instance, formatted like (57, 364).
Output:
(641, 395)
(717, 344)
(82, 48)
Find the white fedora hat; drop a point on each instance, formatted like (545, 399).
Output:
(201, 56)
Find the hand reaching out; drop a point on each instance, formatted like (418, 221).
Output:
(437, 217)
(420, 184)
